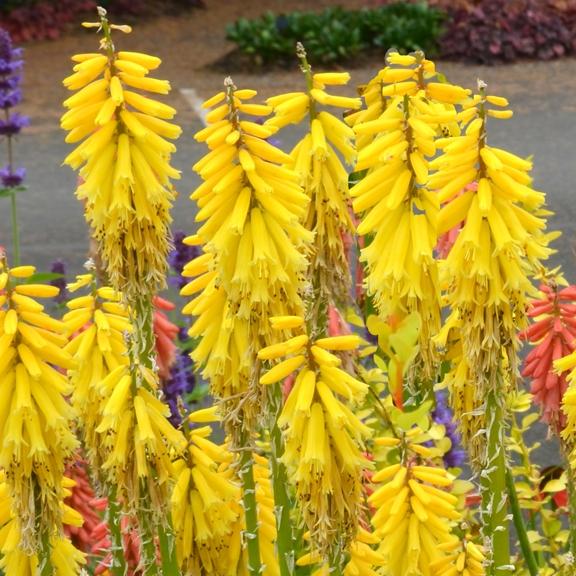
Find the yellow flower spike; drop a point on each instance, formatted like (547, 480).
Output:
(484, 291)
(414, 524)
(316, 161)
(251, 208)
(206, 516)
(323, 438)
(396, 134)
(129, 144)
(35, 416)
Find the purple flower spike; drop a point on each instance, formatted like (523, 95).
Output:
(456, 456)
(11, 178)
(11, 123)
(181, 382)
(179, 257)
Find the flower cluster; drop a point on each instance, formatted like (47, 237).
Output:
(11, 123)
(252, 266)
(124, 161)
(315, 159)
(35, 418)
(553, 335)
(398, 205)
(323, 437)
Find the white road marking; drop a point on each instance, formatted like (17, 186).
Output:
(195, 103)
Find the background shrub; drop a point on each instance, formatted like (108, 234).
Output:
(336, 34)
(486, 33)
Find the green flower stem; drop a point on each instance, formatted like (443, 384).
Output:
(493, 487)
(525, 459)
(148, 547)
(520, 526)
(118, 560)
(47, 568)
(284, 540)
(250, 510)
(168, 552)
(336, 562)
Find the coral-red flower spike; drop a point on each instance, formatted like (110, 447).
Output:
(553, 333)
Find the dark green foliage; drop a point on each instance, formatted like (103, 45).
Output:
(336, 34)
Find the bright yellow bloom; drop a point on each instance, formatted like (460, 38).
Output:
(15, 559)
(124, 162)
(99, 322)
(316, 161)
(205, 508)
(462, 559)
(138, 439)
(364, 559)
(35, 418)
(253, 263)
(488, 269)
(266, 516)
(413, 517)
(323, 440)
(398, 207)
(126, 428)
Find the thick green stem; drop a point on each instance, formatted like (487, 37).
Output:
(118, 566)
(47, 568)
(148, 547)
(520, 526)
(168, 552)
(284, 539)
(336, 562)
(493, 486)
(250, 511)
(15, 230)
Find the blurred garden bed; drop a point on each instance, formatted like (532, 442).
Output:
(479, 31)
(28, 20)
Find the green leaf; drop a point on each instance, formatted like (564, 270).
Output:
(43, 277)
(407, 420)
(404, 339)
(555, 485)
(380, 363)
(530, 419)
